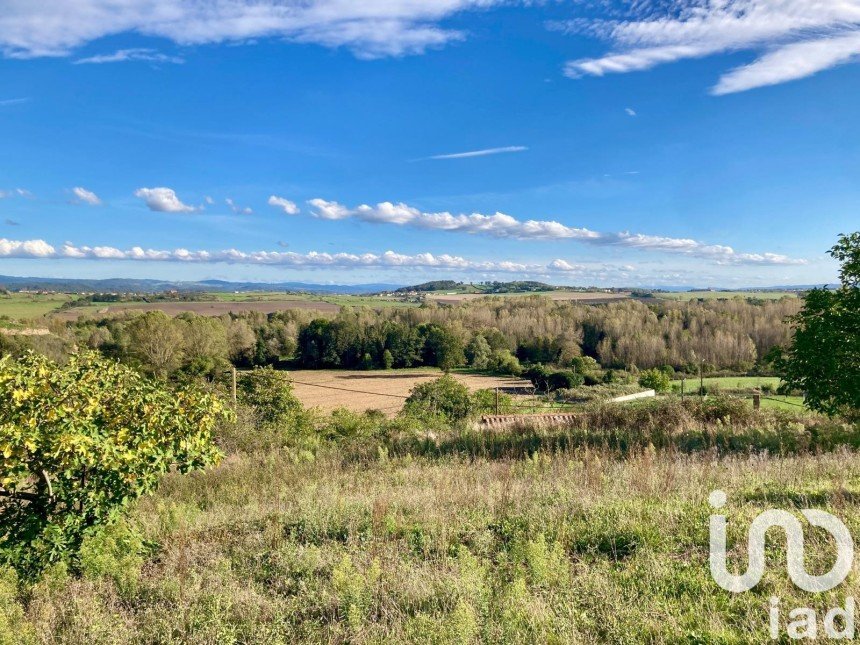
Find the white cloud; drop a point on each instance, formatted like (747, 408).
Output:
(163, 200)
(630, 111)
(500, 225)
(238, 210)
(5, 102)
(15, 192)
(208, 200)
(480, 153)
(328, 210)
(370, 29)
(796, 38)
(288, 207)
(86, 196)
(496, 225)
(130, 55)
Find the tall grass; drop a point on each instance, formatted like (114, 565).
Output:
(445, 539)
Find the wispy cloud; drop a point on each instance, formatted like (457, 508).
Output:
(238, 210)
(11, 222)
(131, 55)
(795, 38)
(84, 196)
(164, 200)
(368, 29)
(480, 153)
(501, 225)
(630, 111)
(5, 102)
(15, 192)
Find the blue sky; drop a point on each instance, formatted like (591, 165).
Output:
(694, 142)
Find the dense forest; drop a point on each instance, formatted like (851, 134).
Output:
(494, 334)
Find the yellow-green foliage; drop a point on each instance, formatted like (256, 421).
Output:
(80, 441)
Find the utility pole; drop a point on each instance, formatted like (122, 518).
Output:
(701, 379)
(497, 400)
(683, 383)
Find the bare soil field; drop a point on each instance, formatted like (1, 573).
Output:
(382, 390)
(578, 296)
(202, 308)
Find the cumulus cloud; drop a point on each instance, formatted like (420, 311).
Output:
(389, 259)
(238, 210)
(480, 153)
(139, 54)
(794, 38)
(288, 207)
(323, 209)
(84, 196)
(495, 225)
(369, 29)
(501, 225)
(163, 200)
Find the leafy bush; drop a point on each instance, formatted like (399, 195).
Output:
(655, 379)
(564, 380)
(445, 397)
(79, 442)
(270, 394)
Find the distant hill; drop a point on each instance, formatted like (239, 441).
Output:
(521, 286)
(127, 285)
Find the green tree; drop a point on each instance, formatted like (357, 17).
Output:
(823, 358)
(444, 397)
(478, 352)
(387, 359)
(79, 442)
(156, 340)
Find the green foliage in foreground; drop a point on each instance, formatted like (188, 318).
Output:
(79, 442)
(824, 357)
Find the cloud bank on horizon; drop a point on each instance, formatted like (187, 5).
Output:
(500, 225)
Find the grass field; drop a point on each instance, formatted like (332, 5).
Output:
(384, 390)
(447, 543)
(715, 295)
(27, 305)
(748, 384)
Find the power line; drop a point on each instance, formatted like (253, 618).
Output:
(343, 389)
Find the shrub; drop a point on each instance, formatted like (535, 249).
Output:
(270, 394)
(445, 397)
(503, 362)
(79, 442)
(564, 380)
(655, 379)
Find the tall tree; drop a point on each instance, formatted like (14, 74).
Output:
(823, 358)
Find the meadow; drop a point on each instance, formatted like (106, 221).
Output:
(596, 533)
(30, 305)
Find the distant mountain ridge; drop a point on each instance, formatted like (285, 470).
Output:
(153, 286)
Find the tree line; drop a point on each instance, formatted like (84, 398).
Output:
(501, 335)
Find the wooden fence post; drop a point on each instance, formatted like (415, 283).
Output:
(756, 401)
(233, 389)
